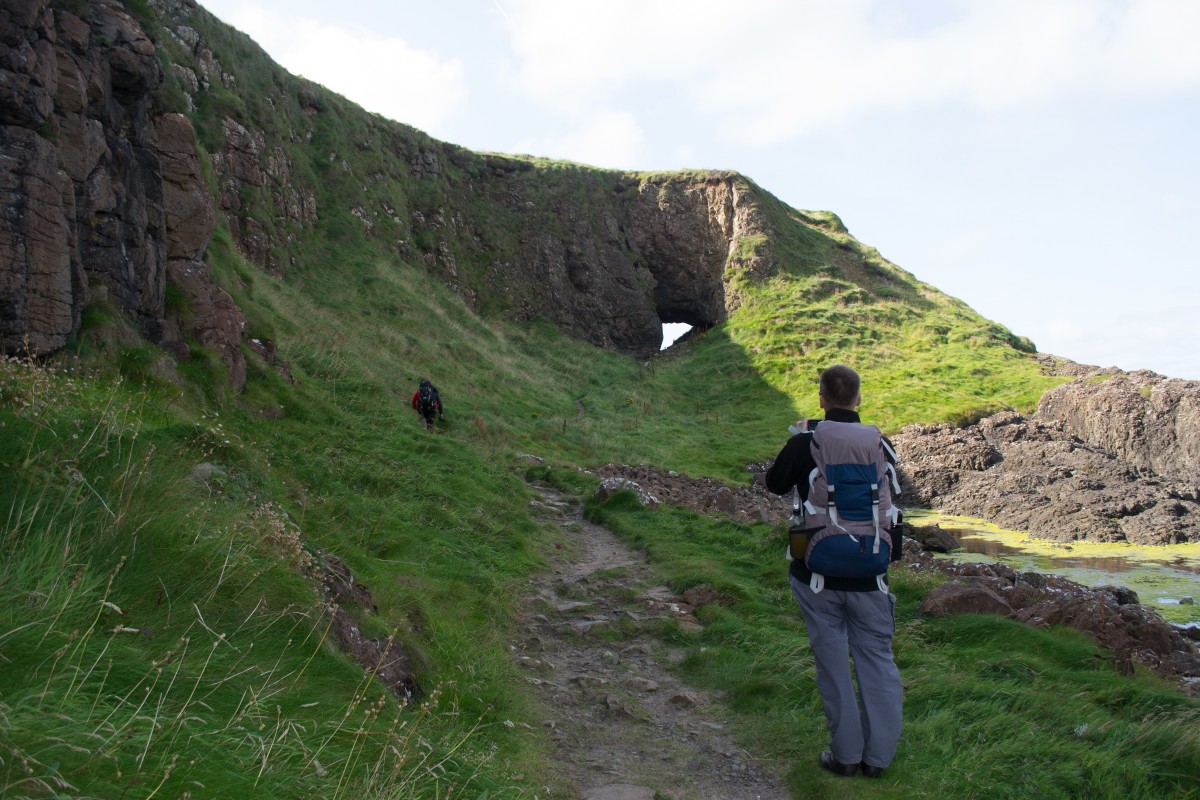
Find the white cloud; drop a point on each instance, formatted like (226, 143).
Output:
(580, 52)
(773, 69)
(997, 56)
(604, 138)
(381, 73)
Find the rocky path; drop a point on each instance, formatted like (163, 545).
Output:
(624, 726)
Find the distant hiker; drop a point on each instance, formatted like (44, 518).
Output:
(842, 539)
(428, 403)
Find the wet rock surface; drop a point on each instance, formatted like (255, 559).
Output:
(622, 723)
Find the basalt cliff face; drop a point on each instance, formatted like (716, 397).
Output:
(101, 191)
(101, 181)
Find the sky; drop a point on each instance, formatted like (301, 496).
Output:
(1037, 159)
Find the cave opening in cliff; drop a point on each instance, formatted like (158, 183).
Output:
(673, 332)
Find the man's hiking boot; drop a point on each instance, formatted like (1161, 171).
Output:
(827, 761)
(870, 770)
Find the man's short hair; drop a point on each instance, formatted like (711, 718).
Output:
(840, 385)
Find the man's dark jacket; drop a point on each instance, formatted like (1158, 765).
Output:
(791, 469)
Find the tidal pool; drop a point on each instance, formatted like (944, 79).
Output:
(1162, 576)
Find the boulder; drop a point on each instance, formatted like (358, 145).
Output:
(975, 597)
(931, 537)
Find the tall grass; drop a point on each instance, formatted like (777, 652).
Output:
(163, 634)
(166, 636)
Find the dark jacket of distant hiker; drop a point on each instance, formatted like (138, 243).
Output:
(428, 401)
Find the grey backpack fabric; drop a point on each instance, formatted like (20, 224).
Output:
(850, 510)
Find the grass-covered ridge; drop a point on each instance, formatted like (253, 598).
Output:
(387, 193)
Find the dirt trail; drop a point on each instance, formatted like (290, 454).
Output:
(624, 726)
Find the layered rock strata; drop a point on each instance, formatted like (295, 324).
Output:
(99, 187)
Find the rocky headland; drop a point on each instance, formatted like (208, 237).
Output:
(1109, 456)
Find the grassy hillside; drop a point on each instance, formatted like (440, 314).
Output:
(924, 355)
(162, 632)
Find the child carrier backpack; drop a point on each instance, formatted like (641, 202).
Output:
(849, 512)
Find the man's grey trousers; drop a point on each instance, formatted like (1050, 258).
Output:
(859, 625)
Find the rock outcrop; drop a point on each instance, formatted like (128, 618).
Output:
(100, 187)
(704, 495)
(1129, 633)
(1103, 460)
(652, 251)
(1144, 419)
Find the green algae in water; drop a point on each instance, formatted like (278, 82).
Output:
(1162, 575)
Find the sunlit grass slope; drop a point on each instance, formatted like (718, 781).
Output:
(923, 355)
(162, 635)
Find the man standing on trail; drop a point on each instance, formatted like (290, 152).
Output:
(841, 471)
